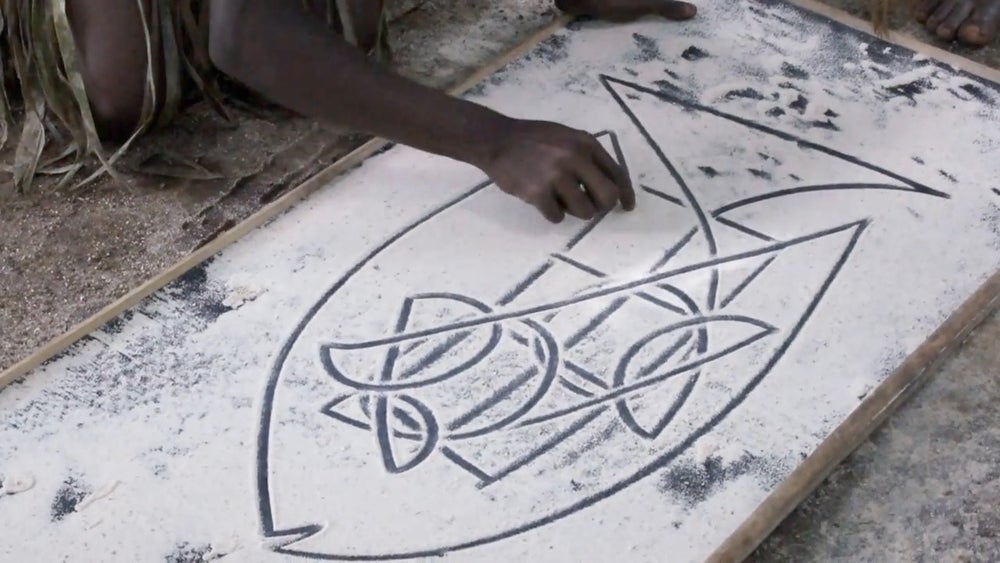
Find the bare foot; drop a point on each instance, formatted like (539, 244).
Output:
(972, 22)
(628, 10)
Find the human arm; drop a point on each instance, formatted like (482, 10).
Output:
(275, 48)
(628, 10)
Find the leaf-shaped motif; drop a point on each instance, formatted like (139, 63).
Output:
(408, 365)
(518, 396)
(405, 430)
(397, 419)
(667, 364)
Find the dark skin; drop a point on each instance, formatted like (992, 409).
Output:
(972, 22)
(112, 50)
(293, 59)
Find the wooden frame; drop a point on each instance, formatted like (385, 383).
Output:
(888, 396)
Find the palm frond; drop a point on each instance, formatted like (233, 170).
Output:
(40, 67)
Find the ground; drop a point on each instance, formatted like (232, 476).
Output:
(924, 487)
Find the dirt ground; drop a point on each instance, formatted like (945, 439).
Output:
(65, 256)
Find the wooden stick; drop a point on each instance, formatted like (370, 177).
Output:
(323, 178)
(882, 402)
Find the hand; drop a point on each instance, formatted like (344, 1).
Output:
(620, 11)
(558, 170)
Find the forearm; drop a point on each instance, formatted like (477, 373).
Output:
(275, 48)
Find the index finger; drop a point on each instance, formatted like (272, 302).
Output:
(674, 10)
(617, 174)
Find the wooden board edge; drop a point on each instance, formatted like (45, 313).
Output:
(900, 38)
(852, 432)
(258, 218)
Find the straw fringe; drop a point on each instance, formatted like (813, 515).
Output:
(42, 89)
(40, 68)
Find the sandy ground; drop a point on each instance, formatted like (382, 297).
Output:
(924, 487)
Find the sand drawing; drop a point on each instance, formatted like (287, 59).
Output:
(546, 404)
(409, 363)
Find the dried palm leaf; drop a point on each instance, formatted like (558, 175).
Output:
(40, 66)
(17, 14)
(191, 28)
(38, 54)
(6, 117)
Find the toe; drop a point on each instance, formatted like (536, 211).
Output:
(974, 35)
(940, 14)
(947, 29)
(677, 10)
(925, 8)
(981, 27)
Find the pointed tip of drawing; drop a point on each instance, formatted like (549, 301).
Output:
(861, 224)
(283, 541)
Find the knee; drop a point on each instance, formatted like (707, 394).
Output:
(117, 111)
(110, 38)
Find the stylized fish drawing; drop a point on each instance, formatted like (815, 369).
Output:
(466, 413)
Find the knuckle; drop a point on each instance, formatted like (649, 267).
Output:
(601, 195)
(536, 189)
(586, 142)
(565, 157)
